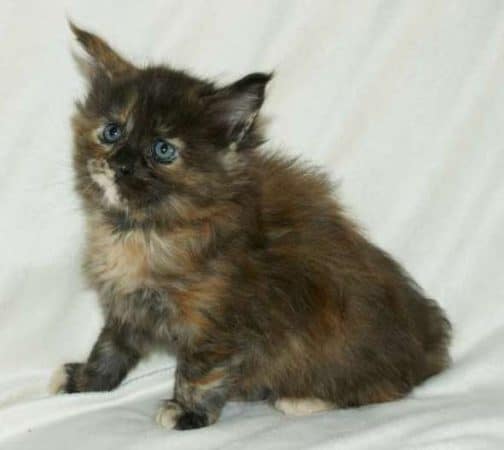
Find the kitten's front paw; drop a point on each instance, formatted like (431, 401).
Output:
(190, 420)
(168, 414)
(172, 416)
(63, 379)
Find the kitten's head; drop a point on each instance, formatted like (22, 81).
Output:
(153, 141)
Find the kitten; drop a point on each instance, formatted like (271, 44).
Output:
(240, 260)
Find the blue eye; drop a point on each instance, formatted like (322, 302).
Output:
(111, 133)
(163, 152)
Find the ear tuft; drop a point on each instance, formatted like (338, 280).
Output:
(253, 85)
(236, 106)
(103, 57)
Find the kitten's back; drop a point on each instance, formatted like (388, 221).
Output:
(309, 229)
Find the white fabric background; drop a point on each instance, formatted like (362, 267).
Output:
(403, 102)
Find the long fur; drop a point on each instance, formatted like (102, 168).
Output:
(238, 259)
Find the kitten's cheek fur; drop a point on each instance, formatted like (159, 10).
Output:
(101, 173)
(58, 381)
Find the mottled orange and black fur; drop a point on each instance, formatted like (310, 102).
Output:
(238, 259)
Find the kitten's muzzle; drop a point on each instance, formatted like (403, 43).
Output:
(123, 164)
(124, 170)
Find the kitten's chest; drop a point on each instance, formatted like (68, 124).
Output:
(120, 262)
(151, 281)
(125, 262)
(137, 259)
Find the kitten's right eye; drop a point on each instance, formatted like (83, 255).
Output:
(111, 133)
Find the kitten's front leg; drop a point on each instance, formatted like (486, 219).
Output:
(114, 354)
(200, 394)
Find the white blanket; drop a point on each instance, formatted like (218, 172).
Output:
(403, 102)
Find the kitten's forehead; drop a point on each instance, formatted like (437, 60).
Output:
(156, 94)
(160, 86)
(123, 110)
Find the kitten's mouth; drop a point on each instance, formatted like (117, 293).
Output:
(101, 173)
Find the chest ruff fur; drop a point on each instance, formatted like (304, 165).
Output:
(152, 281)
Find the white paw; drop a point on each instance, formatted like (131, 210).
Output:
(302, 406)
(58, 380)
(168, 414)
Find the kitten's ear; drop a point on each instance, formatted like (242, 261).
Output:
(103, 58)
(235, 107)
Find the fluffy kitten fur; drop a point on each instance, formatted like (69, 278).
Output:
(239, 260)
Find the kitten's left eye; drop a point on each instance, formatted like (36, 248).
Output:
(163, 152)
(111, 133)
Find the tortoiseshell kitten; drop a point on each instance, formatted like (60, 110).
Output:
(240, 260)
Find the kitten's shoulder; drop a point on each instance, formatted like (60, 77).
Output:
(290, 186)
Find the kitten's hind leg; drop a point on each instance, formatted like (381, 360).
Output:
(302, 406)
(114, 354)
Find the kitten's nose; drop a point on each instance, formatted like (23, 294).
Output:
(122, 164)
(124, 169)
